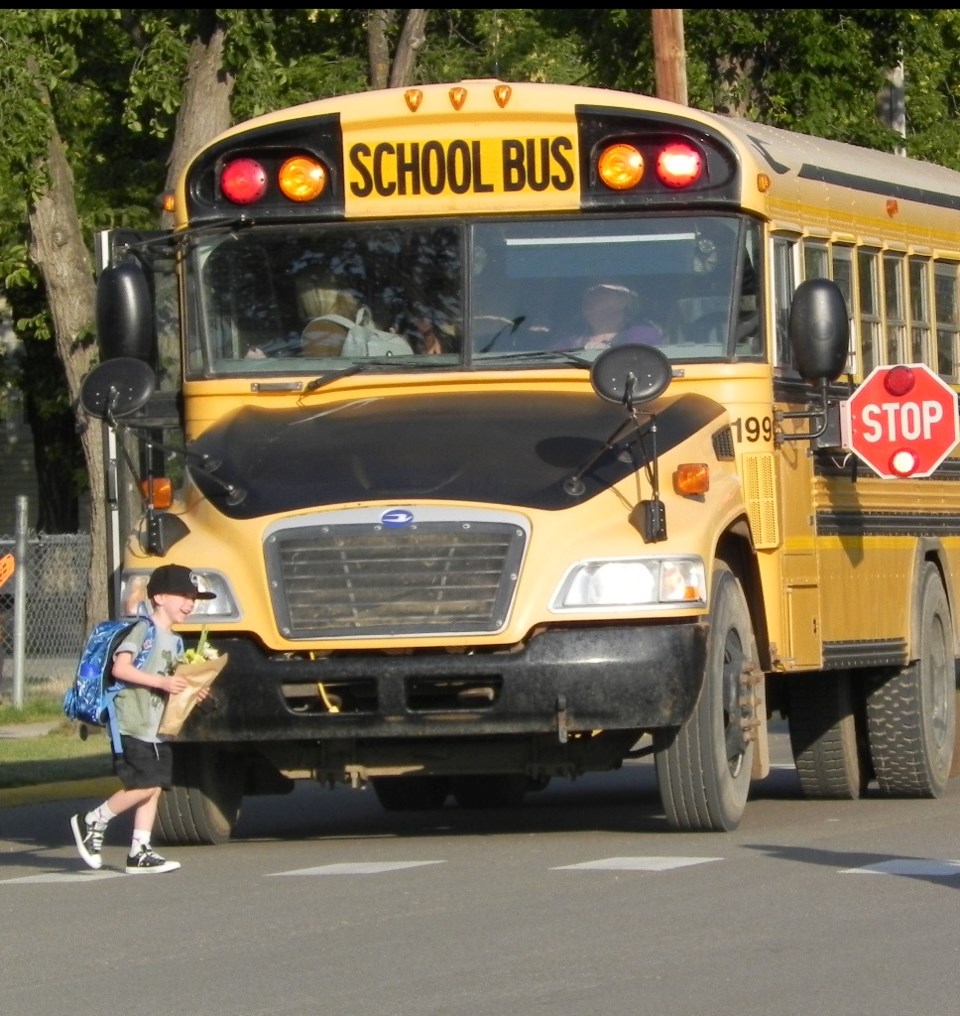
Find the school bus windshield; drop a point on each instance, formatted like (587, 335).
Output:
(290, 299)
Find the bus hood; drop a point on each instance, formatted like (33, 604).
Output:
(503, 448)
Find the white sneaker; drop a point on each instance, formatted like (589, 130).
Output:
(148, 861)
(89, 839)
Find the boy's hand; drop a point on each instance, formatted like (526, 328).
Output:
(175, 684)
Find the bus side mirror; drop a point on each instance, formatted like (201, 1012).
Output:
(117, 388)
(125, 312)
(819, 330)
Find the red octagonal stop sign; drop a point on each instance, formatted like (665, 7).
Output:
(902, 421)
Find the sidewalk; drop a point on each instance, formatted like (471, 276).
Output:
(28, 729)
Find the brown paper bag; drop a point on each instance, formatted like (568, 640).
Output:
(179, 706)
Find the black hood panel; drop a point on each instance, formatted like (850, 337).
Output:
(502, 448)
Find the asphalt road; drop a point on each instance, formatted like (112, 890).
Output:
(580, 901)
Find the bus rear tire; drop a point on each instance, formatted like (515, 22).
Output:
(704, 767)
(912, 715)
(828, 736)
(203, 805)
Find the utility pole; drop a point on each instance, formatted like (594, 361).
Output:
(670, 57)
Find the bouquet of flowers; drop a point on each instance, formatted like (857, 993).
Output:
(201, 667)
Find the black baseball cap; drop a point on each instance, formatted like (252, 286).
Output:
(177, 580)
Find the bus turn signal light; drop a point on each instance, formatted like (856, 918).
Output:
(157, 491)
(621, 166)
(691, 478)
(302, 178)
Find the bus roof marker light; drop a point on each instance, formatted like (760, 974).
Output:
(899, 381)
(621, 166)
(893, 207)
(679, 165)
(501, 95)
(458, 96)
(903, 462)
(302, 178)
(413, 97)
(243, 181)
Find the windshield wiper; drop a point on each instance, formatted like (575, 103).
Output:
(326, 379)
(535, 354)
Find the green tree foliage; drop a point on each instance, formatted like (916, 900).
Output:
(111, 82)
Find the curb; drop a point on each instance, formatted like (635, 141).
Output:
(42, 793)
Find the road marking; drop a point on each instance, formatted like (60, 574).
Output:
(638, 863)
(908, 866)
(62, 876)
(356, 868)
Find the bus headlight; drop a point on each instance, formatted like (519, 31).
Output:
(632, 582)
(223, 607)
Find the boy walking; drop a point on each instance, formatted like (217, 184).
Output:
(145, 768)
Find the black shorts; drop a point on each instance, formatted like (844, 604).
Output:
(143, 764)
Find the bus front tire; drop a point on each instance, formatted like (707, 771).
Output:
(704, 767)
(203, 805)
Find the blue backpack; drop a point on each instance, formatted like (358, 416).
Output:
(90, 699)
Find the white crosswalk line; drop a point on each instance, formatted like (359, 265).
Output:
(637, 863)
(62, 876)
(908, 866)
(356, 868)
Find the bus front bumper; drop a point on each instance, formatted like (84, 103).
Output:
(610, 677)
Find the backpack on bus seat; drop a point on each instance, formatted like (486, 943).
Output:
(363, 339)
(90, 699)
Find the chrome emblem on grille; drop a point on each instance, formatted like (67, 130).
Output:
(395, 518)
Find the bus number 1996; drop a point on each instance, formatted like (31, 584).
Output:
(753, 428)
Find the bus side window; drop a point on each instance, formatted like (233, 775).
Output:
(784, 284)
(748, 333)
(948, 320)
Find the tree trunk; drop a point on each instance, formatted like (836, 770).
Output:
(205, 111)
(412, 38)
(409, 45)
(378, 46)
(58, 249)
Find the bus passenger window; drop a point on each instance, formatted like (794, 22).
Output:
(948, 322)
(918, 291)
(869, 286)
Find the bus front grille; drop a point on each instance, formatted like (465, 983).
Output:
(355, 580)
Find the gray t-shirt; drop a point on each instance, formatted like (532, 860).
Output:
(140, 709)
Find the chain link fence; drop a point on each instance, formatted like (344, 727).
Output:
(51, 575)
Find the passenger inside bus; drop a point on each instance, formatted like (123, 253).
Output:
(322, 302)
(432, 335)
(611, 316)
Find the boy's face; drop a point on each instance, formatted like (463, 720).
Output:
(174, 606)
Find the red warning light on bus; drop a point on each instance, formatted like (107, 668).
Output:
(679, 165)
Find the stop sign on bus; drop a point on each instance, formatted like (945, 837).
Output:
(902, 421)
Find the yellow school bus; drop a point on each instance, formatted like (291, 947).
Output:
(505, 422)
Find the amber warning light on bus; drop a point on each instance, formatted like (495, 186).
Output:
(677, 165)
(300, 178)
